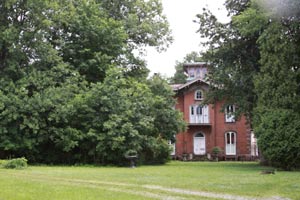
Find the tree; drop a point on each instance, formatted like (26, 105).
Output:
(145, 25)
(88, 35)
(143, 21)
(121, 115)
(72, 90)
(233, 56)
(277, 86)
(33, 122)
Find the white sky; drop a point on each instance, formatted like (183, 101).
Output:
(180, 14)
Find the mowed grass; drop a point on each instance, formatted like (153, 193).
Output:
(175, 180)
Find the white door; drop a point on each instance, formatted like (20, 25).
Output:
(199, 144)
(230, 140)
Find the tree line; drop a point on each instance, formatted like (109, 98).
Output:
(73, 89)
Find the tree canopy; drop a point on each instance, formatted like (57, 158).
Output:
(73, 90)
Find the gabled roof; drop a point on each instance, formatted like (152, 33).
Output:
(177, 87)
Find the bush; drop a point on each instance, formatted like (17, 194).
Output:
(17, 163)
(277, 131)
(216, 151)
(2, 162)
(156, 151)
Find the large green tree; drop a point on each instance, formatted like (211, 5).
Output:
(278, 84)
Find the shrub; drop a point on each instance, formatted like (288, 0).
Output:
(278, 137)
(17, 163)
(156, 151)
(2, 162)
(216, 151)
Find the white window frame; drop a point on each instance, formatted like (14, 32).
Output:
(196, 95)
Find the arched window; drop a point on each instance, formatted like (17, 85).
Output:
(230, 143)
(192, 110)
(198, 95)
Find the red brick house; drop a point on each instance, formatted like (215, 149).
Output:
(208, 127)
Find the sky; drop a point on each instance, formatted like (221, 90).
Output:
(180, 14)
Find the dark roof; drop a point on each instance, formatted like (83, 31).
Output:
(177, 87)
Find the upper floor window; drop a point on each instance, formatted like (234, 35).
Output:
(198, 95)
(198, 72)
(199, 110)
(229, 113)
(204, 72)
(191, 72)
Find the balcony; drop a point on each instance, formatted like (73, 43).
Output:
(199, 115)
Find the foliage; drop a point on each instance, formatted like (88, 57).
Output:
(156, 151)
(89, 35)
(277, 86)
(16, 163)
(144, 24)
(216, 151)
(233, 56)
(72, 90)
(124, 114)
(278, 137)
(166, 118)
(143, 21)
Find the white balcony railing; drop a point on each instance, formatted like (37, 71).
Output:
(199, 114)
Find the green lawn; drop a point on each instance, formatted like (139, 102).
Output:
(175, 180)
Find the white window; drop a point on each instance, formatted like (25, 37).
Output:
(199, 110)
(204, 72)
(191, 72)
(198, 95)
(230, 141)
(198, 72)
(229, 113)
